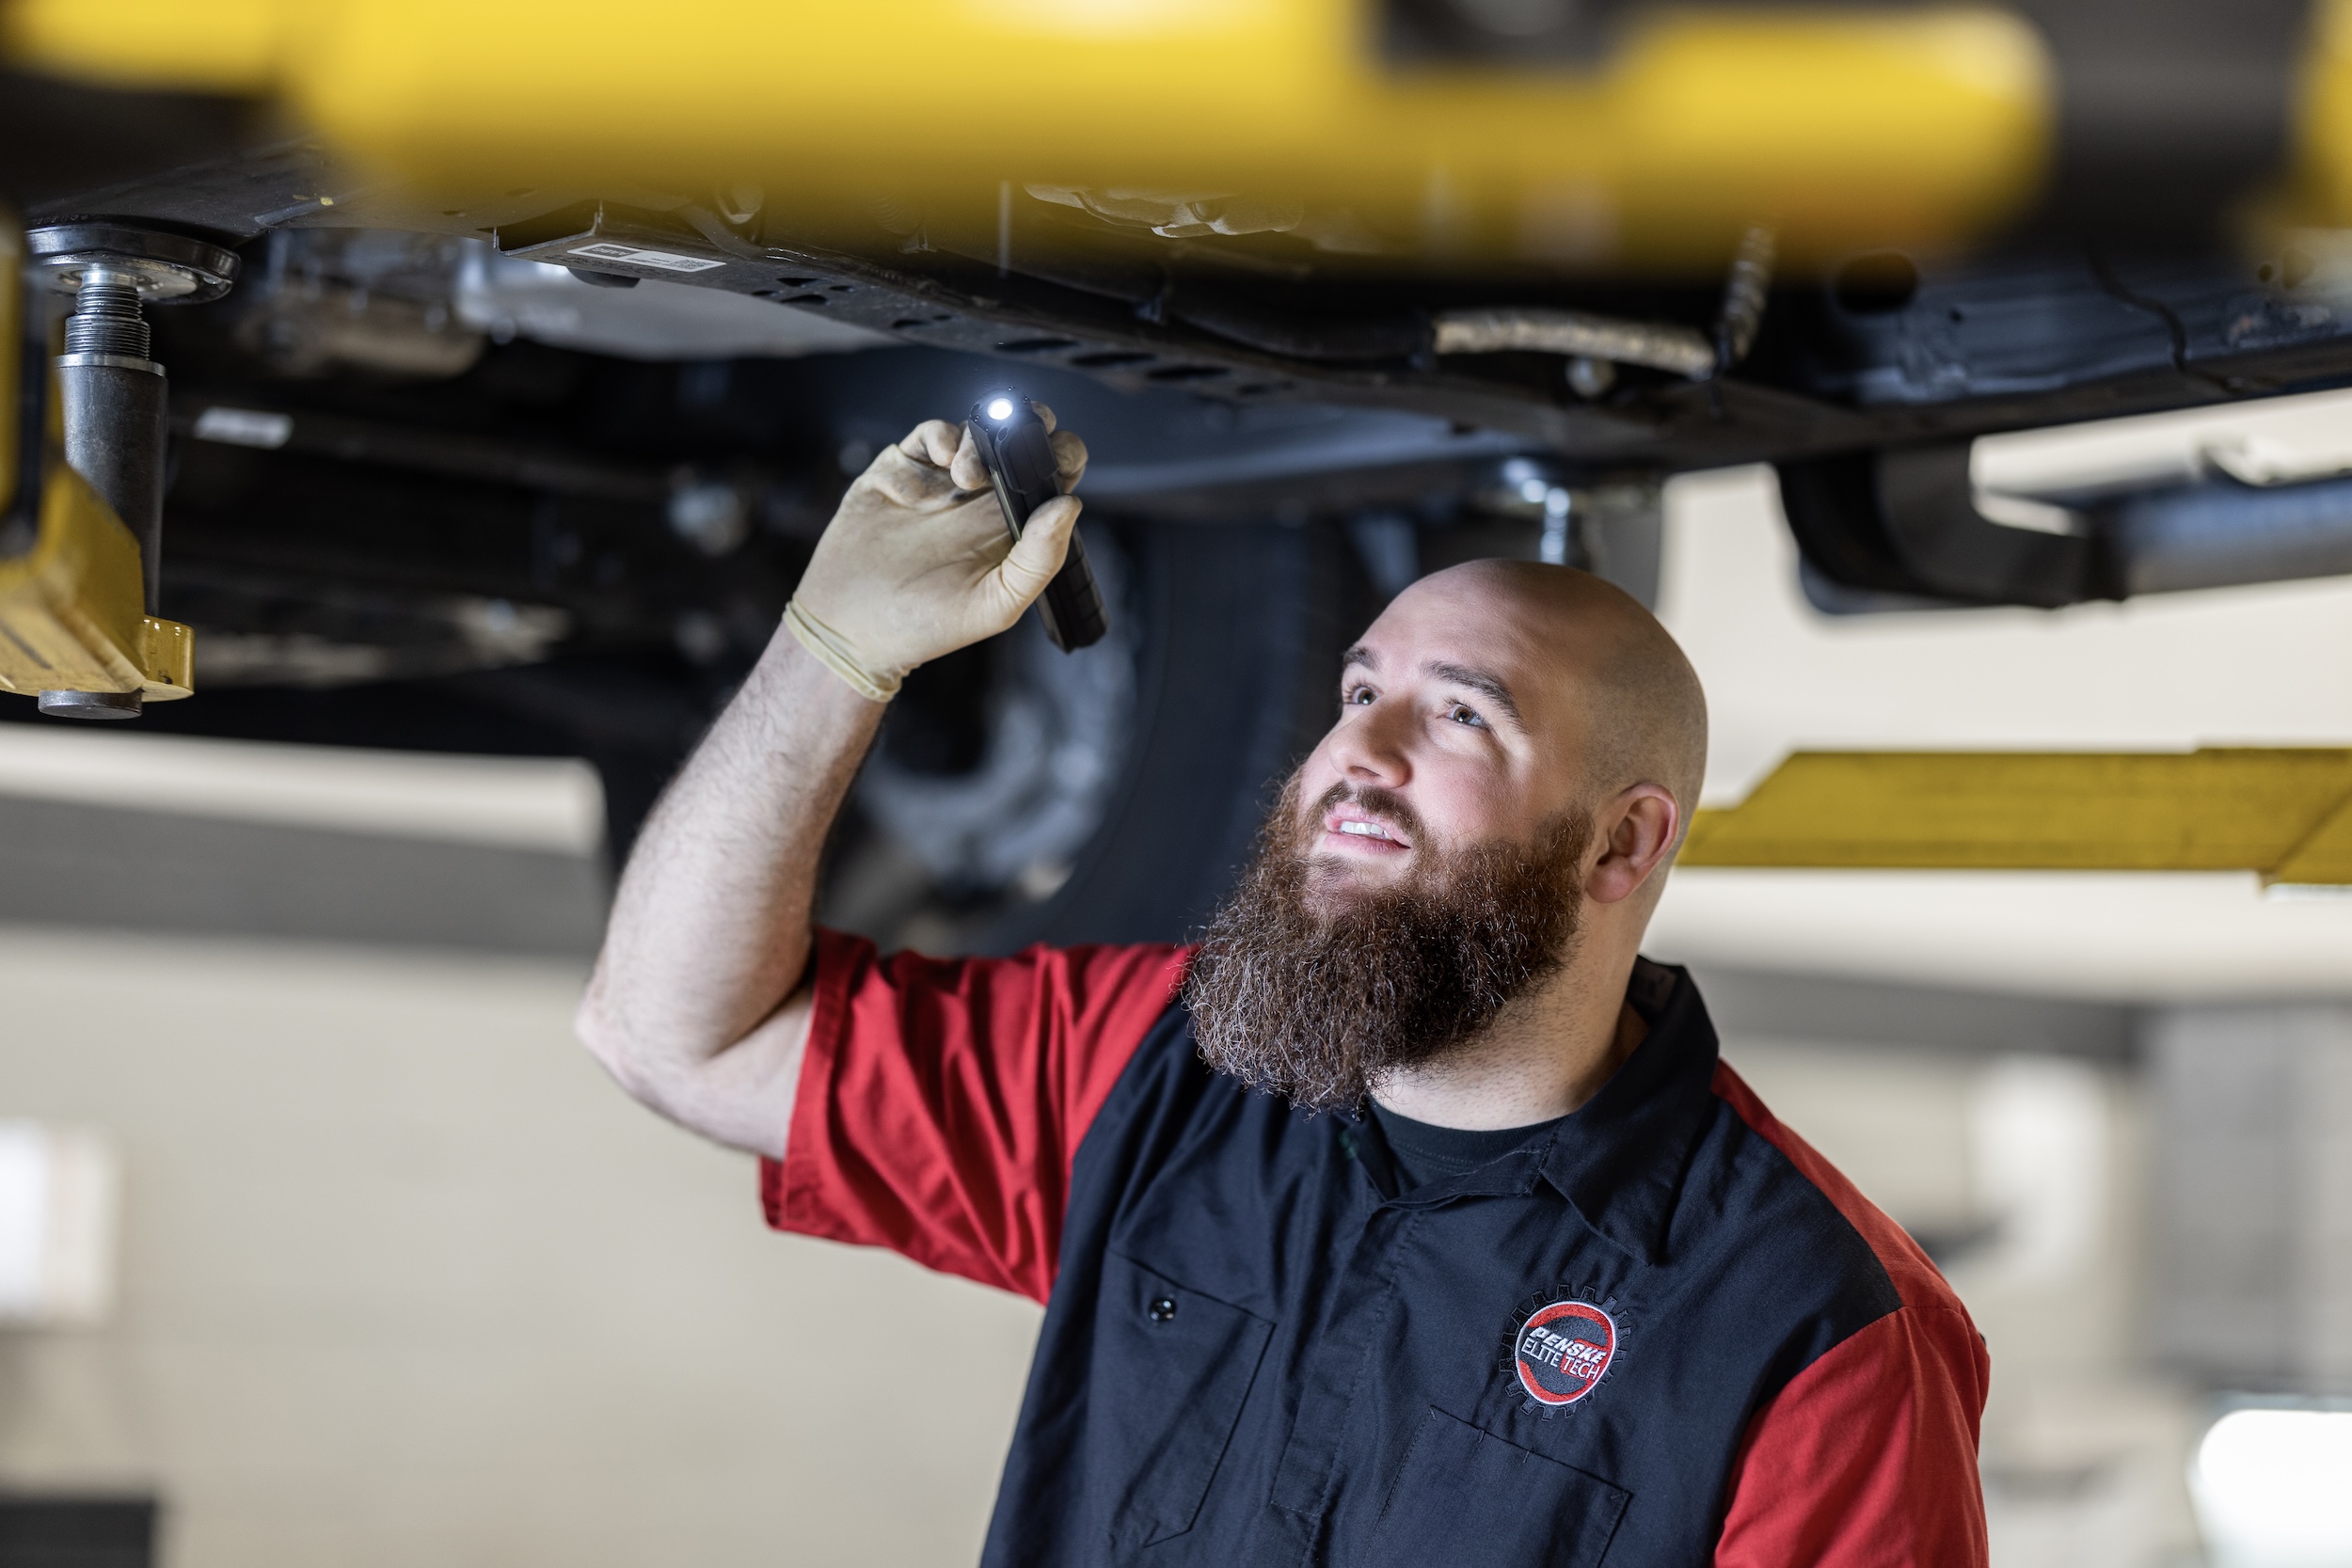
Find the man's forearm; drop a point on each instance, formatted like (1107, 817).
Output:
(710, 928)
(692, 1005)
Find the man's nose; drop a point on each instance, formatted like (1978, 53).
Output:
(1372, 751)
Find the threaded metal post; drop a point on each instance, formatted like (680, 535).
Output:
(107, 318)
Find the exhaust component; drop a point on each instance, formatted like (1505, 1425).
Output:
(1592, 341)
(1905, 530)
(1532, 329)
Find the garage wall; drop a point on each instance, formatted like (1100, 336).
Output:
(2254, 1282)
(404, 1280)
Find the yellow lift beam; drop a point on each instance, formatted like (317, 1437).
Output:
(1923, 126)
(2285, 812)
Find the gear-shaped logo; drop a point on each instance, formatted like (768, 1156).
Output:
(1561, 1345)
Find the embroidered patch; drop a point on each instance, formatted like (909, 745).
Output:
(1562, 1349)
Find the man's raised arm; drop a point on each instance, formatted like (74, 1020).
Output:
(699, 1005)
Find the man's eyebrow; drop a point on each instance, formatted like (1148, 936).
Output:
(1360, 653)
(1487, 685)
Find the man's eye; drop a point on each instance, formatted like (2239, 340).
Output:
(1357, 696)
(1462, 715)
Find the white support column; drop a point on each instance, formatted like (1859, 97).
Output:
(2253, 1195)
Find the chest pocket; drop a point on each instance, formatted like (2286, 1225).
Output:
(1467, 1498)
(1171, 1369)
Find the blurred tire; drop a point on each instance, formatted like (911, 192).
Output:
(1243, 629)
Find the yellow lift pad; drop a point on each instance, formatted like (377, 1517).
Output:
(71, 611)
(2285, 812)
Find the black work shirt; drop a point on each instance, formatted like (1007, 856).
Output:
(1660, 1331)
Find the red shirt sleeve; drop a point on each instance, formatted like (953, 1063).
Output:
(1867, 1459)
(942, 1101)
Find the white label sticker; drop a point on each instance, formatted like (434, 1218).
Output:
(605, 250)
(244, 427)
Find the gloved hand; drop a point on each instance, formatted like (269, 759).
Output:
(917, 562)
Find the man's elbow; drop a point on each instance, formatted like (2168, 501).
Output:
(607, 1040)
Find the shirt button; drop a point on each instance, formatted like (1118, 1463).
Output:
(1162, 1309)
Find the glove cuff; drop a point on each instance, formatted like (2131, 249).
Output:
(832, 650)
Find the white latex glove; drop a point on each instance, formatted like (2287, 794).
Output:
(917, 562)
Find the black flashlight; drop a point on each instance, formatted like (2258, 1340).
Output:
(1011, 442)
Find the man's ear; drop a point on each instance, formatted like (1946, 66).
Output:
(1633, 833)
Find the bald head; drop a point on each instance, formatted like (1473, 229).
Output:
(1637, 702)
(1645, 709)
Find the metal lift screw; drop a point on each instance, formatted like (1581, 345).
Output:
(112, 392)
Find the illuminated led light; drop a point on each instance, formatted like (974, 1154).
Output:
(1000, 408)
(2273, 1488)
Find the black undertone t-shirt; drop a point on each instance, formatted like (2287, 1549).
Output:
(1422, 1152)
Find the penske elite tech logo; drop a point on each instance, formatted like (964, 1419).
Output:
(1562, 1349)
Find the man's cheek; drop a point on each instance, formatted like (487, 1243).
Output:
(1315, 776)
(1304, 796)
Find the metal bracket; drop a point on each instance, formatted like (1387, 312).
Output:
(169, 268)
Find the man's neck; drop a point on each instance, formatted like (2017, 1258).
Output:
(1543, 1056)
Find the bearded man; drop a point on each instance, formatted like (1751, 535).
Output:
(1410, 1220)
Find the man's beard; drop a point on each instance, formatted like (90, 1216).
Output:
(1321, 1003)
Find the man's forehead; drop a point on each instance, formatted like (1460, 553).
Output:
(1459, 624)
(1438, 624)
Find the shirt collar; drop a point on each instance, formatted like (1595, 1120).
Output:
(1621, 1157)
(1618, 1160)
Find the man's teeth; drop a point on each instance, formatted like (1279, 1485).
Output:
(1363, 830)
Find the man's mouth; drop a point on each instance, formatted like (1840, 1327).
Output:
(1368, 831)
